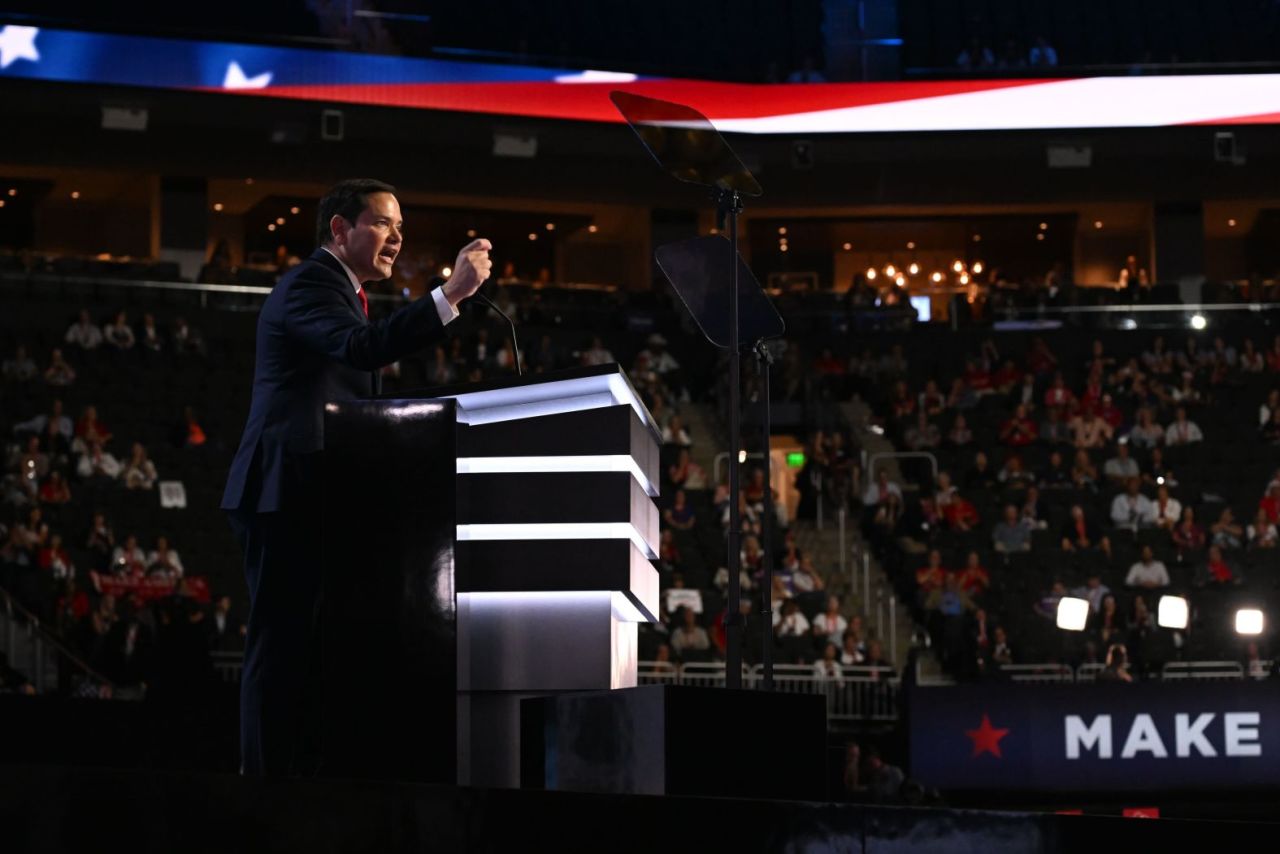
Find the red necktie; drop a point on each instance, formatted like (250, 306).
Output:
(364, 301)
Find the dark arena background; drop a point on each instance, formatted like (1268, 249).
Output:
(1009, 579)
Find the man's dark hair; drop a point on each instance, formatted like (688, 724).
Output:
(346, 199)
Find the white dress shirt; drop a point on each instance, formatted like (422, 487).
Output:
(446, 311)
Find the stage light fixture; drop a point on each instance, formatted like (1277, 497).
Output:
(977, 266)
(271, 226)
(1249, 621)
(977, 238)
(937, 277)
(446, 272)
(871, 274)
(533, 236)
(217, 206)
(295, 210)
(890, 271)
(1198, 321)
(782, 248)
(1073, 613)
(1231, 223)
(1040, 236)
(592, 229)
(551, 226)
(75, 194)
(782, 229)
(964, 278)
(958, 266)
(900, 281)
(279, 220)
(846, 247)
(742, 457)
(911, 244)
(1044, 226)
(1172, 612)
(913, 269)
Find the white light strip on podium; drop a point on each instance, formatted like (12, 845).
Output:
(624, 610)
(550, 398)
(567, 463)
(557, 531)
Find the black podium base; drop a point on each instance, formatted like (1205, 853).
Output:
(674, 740)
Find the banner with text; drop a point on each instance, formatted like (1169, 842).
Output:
(1103, 737)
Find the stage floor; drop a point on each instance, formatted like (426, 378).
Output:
(65, 809)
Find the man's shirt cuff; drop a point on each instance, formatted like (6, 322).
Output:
(446, 311)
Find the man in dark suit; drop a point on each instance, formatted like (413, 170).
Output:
(315, 344)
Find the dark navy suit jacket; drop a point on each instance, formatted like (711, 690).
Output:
(314, 345)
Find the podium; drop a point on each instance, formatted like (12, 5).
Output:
(483, 545)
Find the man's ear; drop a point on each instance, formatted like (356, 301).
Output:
(338, 228)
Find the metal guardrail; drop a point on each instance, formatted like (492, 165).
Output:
(858, 693)
(49, 664)
(1226, 671)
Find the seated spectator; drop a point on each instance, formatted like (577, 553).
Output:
(1156, 472)
(931, 401)
(1251, 358)
(1148, 573)
(1011, 534)
(55, 560)
(931, 576)
(961, 397)
(1226, 532)
(1187, 535)
(1182, 431)
(1032, 512)
(1094, 591)
(806, 579)
(1056, 475)
(1217, 570)
(164, 560)
(977, 377)
(1053, 430)
(827, 668)
(1047, 605)
(1006, 378)
(1107, 624)
(129, 559)
(1270, 431)
(188, 341)
(19, 369)
(1013, 475)
(959, 514)
(31, 467)
(84, 333)
(1058, 396)
(789, 622)
(118, 333)
(1019, 430)
(97, 462)
(980, 478)
(1146, 433)
(1024, 394)
(89, 429)
(830, 624)
(1084, 474)
(139, 472)
(1130, 508)
(1262, 533)
(1110, 413)
(879, 489)
(950, 600)
(1081, 534)
(55, 489)
(852, 649)
(59, 373)
(1122, 467)
(973, 578)
(680, 515)
(922, 435)
(902, 405)
(675, 433)
(959, 435)
(149, 335)
(100, 542)
(1001, 651)
(1042, 54)
(689, 636)
(54, 430)
(1090, 431)
(685, 473)
(1165, 512)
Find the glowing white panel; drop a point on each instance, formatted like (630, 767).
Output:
(549, 398)
(1094, 102)
(1073, 614)
(1172, 612)
(574, 463)
(558, 531)
(1249, 621)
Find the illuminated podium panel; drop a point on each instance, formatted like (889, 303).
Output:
(494, 543)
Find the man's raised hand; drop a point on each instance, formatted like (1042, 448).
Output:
(470, 271)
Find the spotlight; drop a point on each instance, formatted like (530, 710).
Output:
(533, 236)
(977, 238)
(551, 226)
(1231, 223)
(75, 194)
(937, 277)
(295, 210)
(964, 278)
(592, 229)
(782, 229)
(913, 269)
(1248, 621)
(911, 244)
(471, 232)
(890, 271)
(13, 191)
(271, 226)
(1044, 226)
(871, 274)
(446, 272)
(279, 220)
(977, 266)
(782, 248)
(742, 456)
(958, 266)
(846, 247)
(900, 281)
(1172, 612)
(217, 206)
(1040, 236)
(1198, 321)
(1073, 613)
(1097, 223)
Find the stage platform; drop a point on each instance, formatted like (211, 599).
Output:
(67, 809)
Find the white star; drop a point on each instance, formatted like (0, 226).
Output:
(236, 79)
(18, 43)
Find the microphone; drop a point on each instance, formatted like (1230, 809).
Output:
(515, 346)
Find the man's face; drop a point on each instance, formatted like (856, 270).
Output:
(369, 247)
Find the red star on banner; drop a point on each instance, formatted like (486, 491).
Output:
(986, 738)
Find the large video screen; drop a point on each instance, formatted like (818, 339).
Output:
(30, 53)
